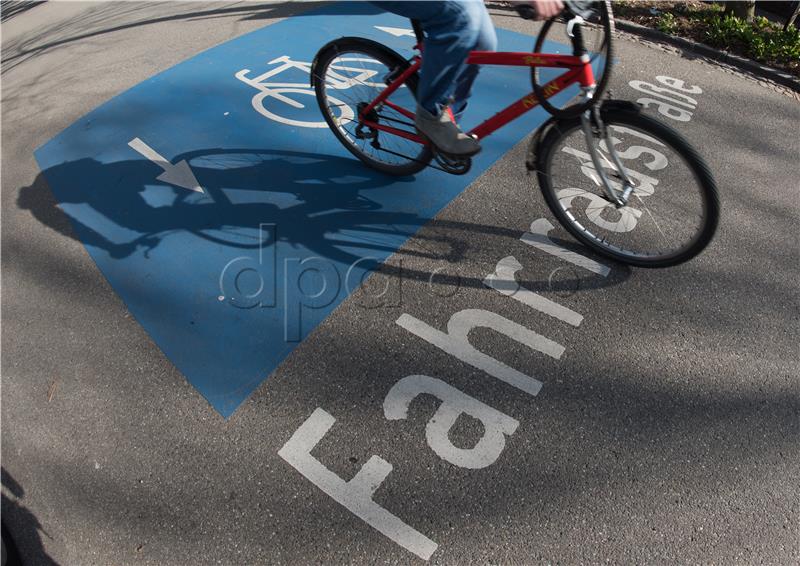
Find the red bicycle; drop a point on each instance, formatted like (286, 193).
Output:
(624, 184)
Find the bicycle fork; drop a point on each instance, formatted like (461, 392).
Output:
(592, 123)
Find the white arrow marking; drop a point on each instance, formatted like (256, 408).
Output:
(179, 174)
(397, 32)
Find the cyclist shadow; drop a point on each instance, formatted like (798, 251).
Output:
(27, 531)
(321, 202)
(120, 208)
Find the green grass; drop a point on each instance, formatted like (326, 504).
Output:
(666, 23)
(761, 39)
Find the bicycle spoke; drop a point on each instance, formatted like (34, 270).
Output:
(353, 79)
(409, 124)
(665, 198)
(644, 206)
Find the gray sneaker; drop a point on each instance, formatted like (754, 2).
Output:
(445, 134)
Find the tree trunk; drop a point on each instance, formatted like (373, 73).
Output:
(745, 9)
(792, 18)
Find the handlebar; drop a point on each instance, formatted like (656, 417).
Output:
(582, 8)
(575, 12)
(526, 11)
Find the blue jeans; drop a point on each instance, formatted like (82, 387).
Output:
(453, 28)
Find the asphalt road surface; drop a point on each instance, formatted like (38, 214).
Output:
(667, 424)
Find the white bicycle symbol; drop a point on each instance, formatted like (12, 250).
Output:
(354, 75)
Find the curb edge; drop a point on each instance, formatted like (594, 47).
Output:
(780, 77)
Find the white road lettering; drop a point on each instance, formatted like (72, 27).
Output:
(660, 91)
(626, 217)
(658, 162)
(455, 403)
(456, 343)
(668, 110)
(671, 102)
(646, 184)
(632, 132)
(538, 238)
(678, 84)
(503, 281)
(356, 494)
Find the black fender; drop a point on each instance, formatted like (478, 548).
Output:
(619, 106)
(536, 142)
(331, 45)
(607, 106)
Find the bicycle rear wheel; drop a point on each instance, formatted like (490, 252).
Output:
(673, 211)
(354, 71)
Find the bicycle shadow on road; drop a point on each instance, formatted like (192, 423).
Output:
(22, 525)
(321, 202)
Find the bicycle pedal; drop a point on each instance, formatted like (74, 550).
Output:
(454, 164)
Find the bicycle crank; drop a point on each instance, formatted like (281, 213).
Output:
(372, 116)
(453, 164)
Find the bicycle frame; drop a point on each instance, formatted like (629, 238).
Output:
(578, 71)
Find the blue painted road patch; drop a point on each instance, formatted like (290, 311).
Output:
(226, 219)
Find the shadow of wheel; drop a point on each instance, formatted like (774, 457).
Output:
(10, 554)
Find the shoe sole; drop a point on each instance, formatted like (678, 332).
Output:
(447, 153)
(456, 155)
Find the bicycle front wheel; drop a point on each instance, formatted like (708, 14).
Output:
(671, 215)
(354, 71)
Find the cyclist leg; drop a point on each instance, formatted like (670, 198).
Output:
(452, 30)
(445, 23)
(486, 41)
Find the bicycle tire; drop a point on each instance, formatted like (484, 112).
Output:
(630, 115)
(607, 22)
(395, 63)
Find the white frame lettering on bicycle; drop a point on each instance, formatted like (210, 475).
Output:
(279, 90)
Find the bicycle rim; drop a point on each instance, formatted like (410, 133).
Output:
(353, 75)
(671, 215)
